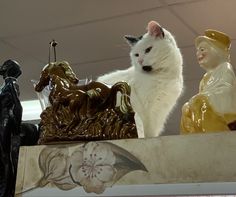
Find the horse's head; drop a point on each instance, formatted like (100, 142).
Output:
(59, 69)
(10, 68)
(68, 72)
(44, 78)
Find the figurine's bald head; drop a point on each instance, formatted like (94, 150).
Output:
(10, 68)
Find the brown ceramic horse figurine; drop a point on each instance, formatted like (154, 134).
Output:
(64, 89)
(60, 76)
(83, 100)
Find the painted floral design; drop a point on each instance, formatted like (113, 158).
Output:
(93, 167)
(54, 163)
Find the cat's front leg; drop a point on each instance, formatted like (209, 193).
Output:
(152, 127)
(153, 119)
(139, 125)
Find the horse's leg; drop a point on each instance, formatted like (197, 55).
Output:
(76, 106)
(56, 102)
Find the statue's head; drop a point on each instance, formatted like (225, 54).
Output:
(10, 68)
(212, 49)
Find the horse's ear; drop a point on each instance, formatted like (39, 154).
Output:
(65, 63)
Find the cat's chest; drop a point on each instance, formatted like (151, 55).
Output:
(144, 91)
(145, 84)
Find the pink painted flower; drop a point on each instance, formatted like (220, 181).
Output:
(92, 167)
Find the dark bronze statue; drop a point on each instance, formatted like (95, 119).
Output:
(13, 133)
(10, 121)
(83, 112)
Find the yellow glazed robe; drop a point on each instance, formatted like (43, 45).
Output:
(214, 106)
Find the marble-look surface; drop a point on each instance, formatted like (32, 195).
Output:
(169, 159)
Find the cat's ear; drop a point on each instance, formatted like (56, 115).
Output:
(131, 40)
(154, 29)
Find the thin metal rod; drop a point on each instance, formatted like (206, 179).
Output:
(53, 45)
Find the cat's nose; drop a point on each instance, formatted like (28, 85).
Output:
(140, 61)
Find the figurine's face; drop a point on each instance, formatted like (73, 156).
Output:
(208, 56)
(3, 69)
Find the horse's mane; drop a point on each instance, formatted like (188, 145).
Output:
(54, 68)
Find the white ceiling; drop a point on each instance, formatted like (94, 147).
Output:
(90, 35)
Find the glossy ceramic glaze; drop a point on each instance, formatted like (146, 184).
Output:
(214, 106)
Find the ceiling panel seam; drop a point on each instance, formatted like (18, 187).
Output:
(21, 51)
(83, 23)
(100, 60)
(170, 8)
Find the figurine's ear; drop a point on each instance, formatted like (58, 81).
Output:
(131, 40)
(154, 29)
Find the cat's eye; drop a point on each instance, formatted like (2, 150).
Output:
(147, 50)
(136, 54)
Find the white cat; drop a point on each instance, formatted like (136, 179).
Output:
(155, 78)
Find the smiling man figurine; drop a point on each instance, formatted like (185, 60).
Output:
(214, 107)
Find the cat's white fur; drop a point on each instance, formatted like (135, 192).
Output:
(154, 93)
